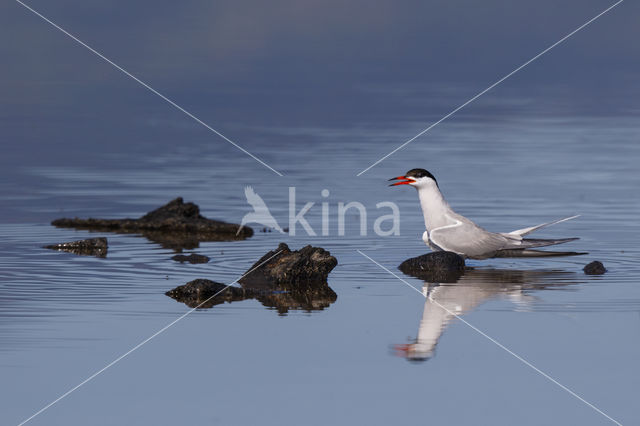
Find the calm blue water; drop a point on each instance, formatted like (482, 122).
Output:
(80, 139)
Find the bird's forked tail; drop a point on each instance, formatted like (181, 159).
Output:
(526, 231)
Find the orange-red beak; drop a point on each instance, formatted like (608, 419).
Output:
(402, 350)
(404, 180)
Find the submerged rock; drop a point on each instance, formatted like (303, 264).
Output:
(281, 279)
(201, 293)
(90, 247)
(177, 225)
(192, 258)
(438, 266)
(594, 268)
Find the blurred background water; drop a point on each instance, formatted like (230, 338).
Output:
(319, 91)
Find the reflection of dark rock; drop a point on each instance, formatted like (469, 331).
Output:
(203, 293)
(438, 266)
(176, 225)
(308, 267)
(594, 268)
(91, 247)
(192, 258)
(302, 298)
(287, 280)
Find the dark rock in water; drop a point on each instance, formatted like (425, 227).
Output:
(91, 247)
(594, 268)
(192, 258)
(287, 280)
(438, 266)
(206, 293)
(177, 225)
(282, 267)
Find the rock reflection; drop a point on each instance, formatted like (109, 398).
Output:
(476, 286)
(205, 294)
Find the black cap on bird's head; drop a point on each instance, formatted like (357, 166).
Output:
(412, 176)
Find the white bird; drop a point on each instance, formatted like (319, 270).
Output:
(450, 231)
(260, 213)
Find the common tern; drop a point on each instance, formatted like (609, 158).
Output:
(450, 231)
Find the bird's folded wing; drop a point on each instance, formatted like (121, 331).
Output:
(470, 240)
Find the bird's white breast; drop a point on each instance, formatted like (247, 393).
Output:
(434, 207)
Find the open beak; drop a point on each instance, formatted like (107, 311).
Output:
(404, 180)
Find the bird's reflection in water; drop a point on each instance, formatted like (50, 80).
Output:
(444, 301)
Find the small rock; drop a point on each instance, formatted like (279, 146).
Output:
(206, 293)
(594, 268)
(91, 247)
(281, 279)
(438, 266)
(309, 266)
(192, 258)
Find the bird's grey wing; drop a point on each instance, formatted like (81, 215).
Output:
(468, 239)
